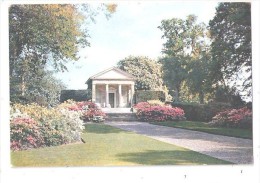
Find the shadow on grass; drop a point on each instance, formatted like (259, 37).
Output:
(152, 157)
(101, 128)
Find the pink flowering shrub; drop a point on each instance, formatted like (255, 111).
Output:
(25, 134)
(90, 114)
(147, 112)
(87, 110)
(33, 126)
(238, 118)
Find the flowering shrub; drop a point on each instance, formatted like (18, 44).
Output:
(239, 118)
(25, 133)
(91, 113)
(43, 126)
(147, 112)
(87, 110)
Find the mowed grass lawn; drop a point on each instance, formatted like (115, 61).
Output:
(205, 127)
(107, 146)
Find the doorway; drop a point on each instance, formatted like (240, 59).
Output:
(112, 100)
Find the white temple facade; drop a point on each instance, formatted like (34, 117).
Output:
(112, 88)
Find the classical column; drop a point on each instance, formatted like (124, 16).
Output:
(107, 95)
(119, 95)
(93, 93)
(129, 95)
(132, 93)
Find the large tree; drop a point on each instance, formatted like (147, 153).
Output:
(231, 46)
(41, 34)
(186, 42)
(148, 72)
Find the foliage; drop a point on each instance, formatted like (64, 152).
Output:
(44, 90)
(148, 112)
(147, 72)
(174, 73)
(183, 37)
(186, 56)
(156, 102)
(144, 96)
(44, 126)
(231, 46)
(198, 80)
(236, 118)
(201, 112)
(44, 36)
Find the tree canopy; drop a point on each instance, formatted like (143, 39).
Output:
(231, 45)
(147, 72)
(186, 43)
(45, 34)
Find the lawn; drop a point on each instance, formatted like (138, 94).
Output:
(205, 127)
(108, 146)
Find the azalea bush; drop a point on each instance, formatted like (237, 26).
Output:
(150, 112)
(238, 118)
(25, 133)
(88, 111)
(35, 126)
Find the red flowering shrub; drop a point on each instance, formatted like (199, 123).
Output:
(25, 134)
(238, 118)
(87, 110)
(147, 112)
(91, 113)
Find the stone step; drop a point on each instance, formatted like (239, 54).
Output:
(121, 117)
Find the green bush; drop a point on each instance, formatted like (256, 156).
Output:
(145, 95)
(156, 102)
(202, 112)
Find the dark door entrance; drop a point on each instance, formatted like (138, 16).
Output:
(112, 99)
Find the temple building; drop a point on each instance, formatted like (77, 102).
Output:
(112, 88)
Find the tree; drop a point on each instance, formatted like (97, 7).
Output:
(183, 37)
(41, 34)
(186, 43)
(198, 70)
(174, 73)
(147, 72)
(231, 46)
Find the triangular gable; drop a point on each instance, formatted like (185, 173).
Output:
(113, 73)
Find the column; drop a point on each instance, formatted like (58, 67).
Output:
(93, 93)
(119, 95)
(129, 96)
(132, 93)
(107, 95)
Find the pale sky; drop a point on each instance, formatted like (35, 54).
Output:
(131, 30)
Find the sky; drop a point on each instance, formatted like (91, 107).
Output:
(131, 30)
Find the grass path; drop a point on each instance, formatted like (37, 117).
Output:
(205, 127)
(109, 146)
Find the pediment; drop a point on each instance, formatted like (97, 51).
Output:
(113, 73)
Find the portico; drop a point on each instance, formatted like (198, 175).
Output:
(112, 88)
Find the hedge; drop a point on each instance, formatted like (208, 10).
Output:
(76, 95)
